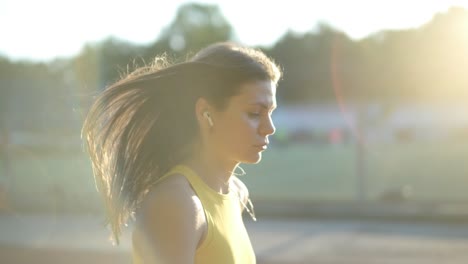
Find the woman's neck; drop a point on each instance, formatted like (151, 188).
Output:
(215, 172)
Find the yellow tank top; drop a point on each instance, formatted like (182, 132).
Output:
(226, 241)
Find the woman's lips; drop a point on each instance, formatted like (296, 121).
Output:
(262, 147)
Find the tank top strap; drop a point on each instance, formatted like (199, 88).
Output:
(191, 176)
(200, 187)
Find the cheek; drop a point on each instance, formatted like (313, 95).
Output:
(239, 130)
(246, 126)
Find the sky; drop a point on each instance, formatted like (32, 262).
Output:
(46, 29)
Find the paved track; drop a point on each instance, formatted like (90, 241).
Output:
(82, 239)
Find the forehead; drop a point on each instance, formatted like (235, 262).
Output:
(263, 92)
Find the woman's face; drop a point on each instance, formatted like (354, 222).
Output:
(240, 132)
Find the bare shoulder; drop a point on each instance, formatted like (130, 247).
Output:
(171, 221)
(173, 191)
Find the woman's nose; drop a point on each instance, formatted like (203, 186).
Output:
(268, 128)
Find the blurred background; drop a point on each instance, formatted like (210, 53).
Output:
(369, 161)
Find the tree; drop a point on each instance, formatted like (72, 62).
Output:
(306, 60)
(194, 27)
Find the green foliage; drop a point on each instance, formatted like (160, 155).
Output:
(435, 172)
(194, 27)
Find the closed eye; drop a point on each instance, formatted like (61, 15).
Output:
(253, 114)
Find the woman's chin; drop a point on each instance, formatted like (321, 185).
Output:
(253, 159)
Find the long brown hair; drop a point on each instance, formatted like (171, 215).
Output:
(142, 125)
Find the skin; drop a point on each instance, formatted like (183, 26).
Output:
(172, 212)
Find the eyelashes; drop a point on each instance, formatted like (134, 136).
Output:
(253, 115)
(256, 114)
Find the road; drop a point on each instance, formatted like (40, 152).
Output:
(83, 239)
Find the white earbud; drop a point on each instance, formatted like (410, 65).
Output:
(206, 114)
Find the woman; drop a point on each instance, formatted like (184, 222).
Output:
(164, 144)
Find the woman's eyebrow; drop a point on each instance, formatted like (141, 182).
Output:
(263, 105)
